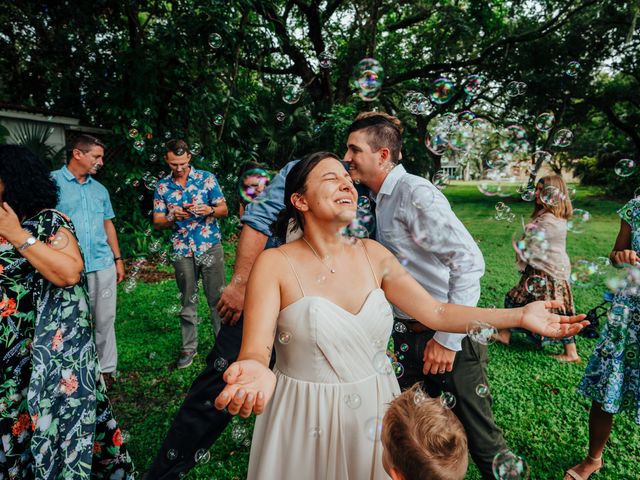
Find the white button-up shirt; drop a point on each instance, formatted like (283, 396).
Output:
(415, 221)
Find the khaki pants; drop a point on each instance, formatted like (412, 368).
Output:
(103, 296)
(209, 266)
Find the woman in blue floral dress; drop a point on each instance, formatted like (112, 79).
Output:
(612, 377)
(55, 420)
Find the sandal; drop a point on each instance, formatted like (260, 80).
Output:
(571, 473)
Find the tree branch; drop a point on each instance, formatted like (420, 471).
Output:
(543, 30)
(332, 6)
(411, 20)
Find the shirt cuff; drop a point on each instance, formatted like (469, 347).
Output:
(452, 341)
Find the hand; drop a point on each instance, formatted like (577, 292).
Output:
(537, 319)
(231, 303)
(201, 210)
(437, 359)
(9, 222)
(624, 257)
(180, 214)
(119, 271)
(250, 386)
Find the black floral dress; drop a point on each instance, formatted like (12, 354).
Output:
(55, 419)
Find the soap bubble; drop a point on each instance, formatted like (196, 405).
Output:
(326, 59)
(440, 179)
(252, 183)
(583, 273)
(540, 156)
(544, 121)
(536, 285)
(218, 119)
(563, 138)
(618, 314)
(578, 220)
(215, 41)
(442, 90)
(398, 369)
(373, 429)
(106, 293)
(420, 396)
(172, 454)
(473, 85)
(202, 456)
(238, 432)
(284, 337)
(130, 285)
(572, 68)
(530, 242)
(624, 167)
(481, 332)
(482, 390)
(416, 102)
(133, 133)
(220, 364)
(138, 145)
(353, 400)
(514, 88)
(509, 466)
(59, 240)
(280, 116)
(400, 327)
(369, 96)
(437, 143)
(382, 363)
(404, 347)
(315, 432)
(448, 400)
(291, 94)
(368, 75)
(195, 149)
(551, 196)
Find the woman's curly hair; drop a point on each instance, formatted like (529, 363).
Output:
(28, 186)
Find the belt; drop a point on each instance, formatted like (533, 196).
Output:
(413, 325)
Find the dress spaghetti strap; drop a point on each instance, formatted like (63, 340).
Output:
(294, 270)
(375, 277)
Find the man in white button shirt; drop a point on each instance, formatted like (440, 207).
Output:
(415, 221)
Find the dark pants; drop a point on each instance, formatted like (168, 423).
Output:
(198, 423)
(469, 370)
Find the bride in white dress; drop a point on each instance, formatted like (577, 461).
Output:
(323, 301)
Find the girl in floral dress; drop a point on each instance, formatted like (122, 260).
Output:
(545, 273)
(55, 420)
(612, 376)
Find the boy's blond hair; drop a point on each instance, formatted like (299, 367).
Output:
(424, 440)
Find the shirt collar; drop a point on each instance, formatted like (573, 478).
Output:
(390, 181)
(66, 173)
(191, 176)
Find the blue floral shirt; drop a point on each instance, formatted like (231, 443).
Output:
(195, 235)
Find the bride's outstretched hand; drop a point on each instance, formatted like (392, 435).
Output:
(537, 318)
(249, 388)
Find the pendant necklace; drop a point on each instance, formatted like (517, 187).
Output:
(332, 270)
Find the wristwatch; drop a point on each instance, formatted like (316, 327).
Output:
(30, 241)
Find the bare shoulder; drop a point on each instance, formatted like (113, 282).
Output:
(376, 250)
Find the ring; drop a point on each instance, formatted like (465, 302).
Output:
(441, 371)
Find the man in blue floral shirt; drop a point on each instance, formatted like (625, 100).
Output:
(190, 201)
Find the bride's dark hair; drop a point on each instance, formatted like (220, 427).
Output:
(296, 183)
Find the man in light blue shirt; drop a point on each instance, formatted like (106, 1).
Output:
(86, 201)
(415, 221)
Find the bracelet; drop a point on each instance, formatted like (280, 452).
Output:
(115, 259)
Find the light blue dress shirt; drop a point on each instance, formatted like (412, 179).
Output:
(264, 209)
(415, 221)
(88, 205)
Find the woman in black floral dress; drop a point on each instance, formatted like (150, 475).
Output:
(55, 419)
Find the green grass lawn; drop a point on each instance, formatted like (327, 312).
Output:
(535, 401)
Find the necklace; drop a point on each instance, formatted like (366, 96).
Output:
(332, 270)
